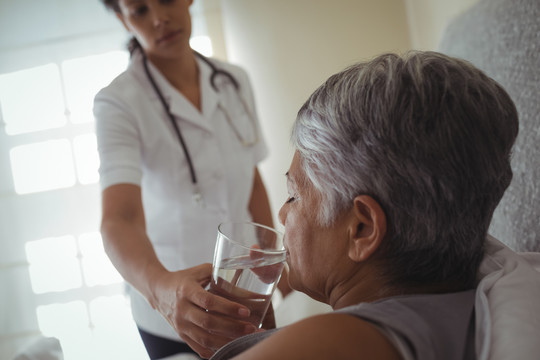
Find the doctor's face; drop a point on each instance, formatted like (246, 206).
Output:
(162, 27)
(315, 253)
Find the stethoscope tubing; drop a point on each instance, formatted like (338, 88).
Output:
(173, 121)
(197, 197)
(216, 72)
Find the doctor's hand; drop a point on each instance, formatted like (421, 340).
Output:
(204, 321)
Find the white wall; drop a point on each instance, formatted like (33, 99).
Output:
(289, 47)
(35, 31)
(428, 19)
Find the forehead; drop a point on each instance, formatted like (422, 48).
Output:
(300, 185)
(129, 2)
(296, 177)
(294, 169)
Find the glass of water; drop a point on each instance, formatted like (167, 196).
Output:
(248, 261)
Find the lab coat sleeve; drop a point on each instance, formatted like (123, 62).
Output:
(118, 140)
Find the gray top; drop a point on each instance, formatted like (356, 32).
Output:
(502, 37)
(438, 326)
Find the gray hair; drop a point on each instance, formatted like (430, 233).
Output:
(427, 136)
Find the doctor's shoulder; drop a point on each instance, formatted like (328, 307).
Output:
(125, 90)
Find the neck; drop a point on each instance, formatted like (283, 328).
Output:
(362, 285)
(182, 73)
(366, 285)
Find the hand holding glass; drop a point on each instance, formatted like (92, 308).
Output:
(248, 261)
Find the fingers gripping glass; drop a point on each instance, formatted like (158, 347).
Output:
(247, 265)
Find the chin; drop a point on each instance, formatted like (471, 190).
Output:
(296, 283)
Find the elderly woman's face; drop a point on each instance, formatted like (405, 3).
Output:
(314, 253)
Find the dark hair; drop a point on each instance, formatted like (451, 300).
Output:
(111, 5)
(429, 137)
(133, 44)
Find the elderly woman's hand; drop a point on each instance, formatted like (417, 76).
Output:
(204, 321)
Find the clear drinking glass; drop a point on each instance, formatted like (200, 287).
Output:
(248, 261)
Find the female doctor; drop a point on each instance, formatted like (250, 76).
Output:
(179, 145)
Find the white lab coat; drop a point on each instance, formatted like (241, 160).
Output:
(137, 144)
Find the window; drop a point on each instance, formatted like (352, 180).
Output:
(87, 329)
(64, 263)
(53, 264)
(42, 166)
(51, 97)
(29, 105)
(53, 160)
(49, 202)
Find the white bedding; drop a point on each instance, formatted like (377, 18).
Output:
(508, 304)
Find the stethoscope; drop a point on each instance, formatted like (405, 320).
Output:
(197, 196)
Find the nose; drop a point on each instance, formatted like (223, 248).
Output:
(160, 16)
(282, 215)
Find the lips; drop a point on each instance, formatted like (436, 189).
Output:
(169, 36)
(285, 246)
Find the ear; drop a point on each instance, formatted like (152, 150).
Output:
(367, 228)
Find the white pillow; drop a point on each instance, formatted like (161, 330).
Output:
(43, 348)
(508, 304)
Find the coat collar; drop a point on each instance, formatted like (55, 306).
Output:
(179, 106)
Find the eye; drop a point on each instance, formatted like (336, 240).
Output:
(290, 199)
(139, 11)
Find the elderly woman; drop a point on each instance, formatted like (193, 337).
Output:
(399, 164)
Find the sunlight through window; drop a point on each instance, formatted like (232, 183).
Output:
(42, 166)
(78, 294)
(69, 323)
(86, 158)
(85, 76)
(54, 265)
(112, 316)
(32, 100)
(97, 268)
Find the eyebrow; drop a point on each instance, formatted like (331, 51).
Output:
(289, 177)
(291, 183)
